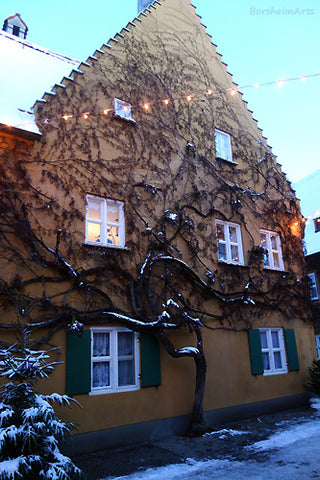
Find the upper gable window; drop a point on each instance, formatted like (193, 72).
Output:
(223, 146)
(122, 109)
(272, 256)
(104, 222)
(316, 222)
(229, 242)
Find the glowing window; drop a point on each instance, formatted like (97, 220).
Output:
(104, 222)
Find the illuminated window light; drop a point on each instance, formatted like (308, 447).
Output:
(189, 98)
(166, 101)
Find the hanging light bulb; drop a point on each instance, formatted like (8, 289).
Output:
(189, 98)
(166, 101)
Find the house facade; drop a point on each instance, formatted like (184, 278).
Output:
(307, 189)
(161, 244)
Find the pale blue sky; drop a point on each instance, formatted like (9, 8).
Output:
(258, 43)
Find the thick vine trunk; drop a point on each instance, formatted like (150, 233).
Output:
(198, 424)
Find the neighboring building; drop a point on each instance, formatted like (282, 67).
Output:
(156, 198)
(308, 191)
(16, 26)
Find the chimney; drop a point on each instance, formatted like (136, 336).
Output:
(142, 4)
(16, 26)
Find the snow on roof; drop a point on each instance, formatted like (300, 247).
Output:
(27, 72)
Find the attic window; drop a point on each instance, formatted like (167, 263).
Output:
(223, 146)
(122, 109)
(316, 222)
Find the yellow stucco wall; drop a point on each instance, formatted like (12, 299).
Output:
(118, 157)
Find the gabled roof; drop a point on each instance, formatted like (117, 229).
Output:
(16, 15)
(27, 71)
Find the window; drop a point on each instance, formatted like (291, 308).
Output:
(106, 359)
(313, 286)
(316, 222)
(122, 109)
(223, 146)
(317, 337)
(229, 242)
(114, 360)
(272, 256)
(104, 222)
(273, 351)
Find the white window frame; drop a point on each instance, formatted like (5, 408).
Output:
(271, 251)
(104, 202)
(122, 109)
(271, 350)
(313, 286)
(228, 242)
(113, 359)
(225, 152)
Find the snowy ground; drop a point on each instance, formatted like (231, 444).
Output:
(293, 453)
(273, 447)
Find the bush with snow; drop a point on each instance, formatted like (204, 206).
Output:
(29, 427)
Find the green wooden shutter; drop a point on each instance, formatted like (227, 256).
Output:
(78, 365)
(292, 353)
(255, 352)
(150, 361)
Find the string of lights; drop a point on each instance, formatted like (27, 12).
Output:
(147, 106)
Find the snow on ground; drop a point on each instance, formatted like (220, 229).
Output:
(292, 452)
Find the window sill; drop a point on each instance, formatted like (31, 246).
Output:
(226, 160)
(222, 262)
(124, 119)
(112, 247)
(270, 374)
(105, 391)
(282, 270)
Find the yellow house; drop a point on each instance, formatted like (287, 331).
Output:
(161, 241)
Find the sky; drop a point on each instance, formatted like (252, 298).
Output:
(260, 40)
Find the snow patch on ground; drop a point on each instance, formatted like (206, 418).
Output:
(178, 471)
(288, 436)
(315, 403)
(225, 432)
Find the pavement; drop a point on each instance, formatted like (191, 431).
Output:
(221, 442)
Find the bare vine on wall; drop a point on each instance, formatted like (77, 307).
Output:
(165, 171)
